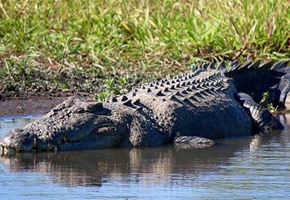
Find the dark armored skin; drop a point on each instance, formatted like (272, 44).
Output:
(189, 110)
(255, 79)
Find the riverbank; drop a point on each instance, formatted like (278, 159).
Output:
(20, 106)
(103, 48)
(107, 48)
(14, 106)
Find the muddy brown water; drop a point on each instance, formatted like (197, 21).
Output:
(254, 167)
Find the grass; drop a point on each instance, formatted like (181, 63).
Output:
(49, 47)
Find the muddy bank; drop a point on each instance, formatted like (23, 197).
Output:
(15, 106)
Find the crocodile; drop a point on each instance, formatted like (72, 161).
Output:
(189, 110)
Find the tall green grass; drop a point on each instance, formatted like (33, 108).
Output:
(145, 36)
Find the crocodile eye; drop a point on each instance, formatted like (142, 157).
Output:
(96, 108)
(79, 110)
(106, 130)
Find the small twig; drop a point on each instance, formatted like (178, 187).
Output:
(67, 64)
(22, 8)
(270, 26)
(234, 27)
(239, 53)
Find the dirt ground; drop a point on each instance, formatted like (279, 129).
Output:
(17, 106)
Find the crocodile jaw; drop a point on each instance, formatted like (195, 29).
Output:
(100, 134)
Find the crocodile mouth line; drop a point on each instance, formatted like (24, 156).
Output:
(105, 130)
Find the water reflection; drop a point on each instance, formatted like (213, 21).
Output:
(8, 123)
(154, 165)
(165, 165)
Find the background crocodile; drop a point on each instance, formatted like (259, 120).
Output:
(188, 110)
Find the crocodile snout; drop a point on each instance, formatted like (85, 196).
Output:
(16, 140)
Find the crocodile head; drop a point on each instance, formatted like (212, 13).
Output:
(71, 125)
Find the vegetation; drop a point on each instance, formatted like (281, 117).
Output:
(86, 47)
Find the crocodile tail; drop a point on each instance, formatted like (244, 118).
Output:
(256, 79)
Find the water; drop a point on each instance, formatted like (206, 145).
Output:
(256, 167)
